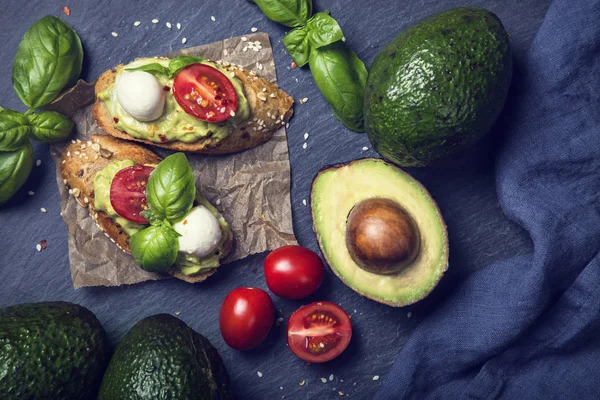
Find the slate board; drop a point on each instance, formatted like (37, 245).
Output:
(463, 186)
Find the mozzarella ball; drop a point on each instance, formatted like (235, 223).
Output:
(141, 95)
(200, 232)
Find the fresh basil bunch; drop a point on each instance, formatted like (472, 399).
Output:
(175, 65)
(319, 41)
(48, 59)
(170, 195)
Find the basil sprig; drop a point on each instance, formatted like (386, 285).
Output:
(170, 195)
(319, 41)
(176, 64)
(48, 59)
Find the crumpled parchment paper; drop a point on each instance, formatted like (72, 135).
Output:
(251, 189)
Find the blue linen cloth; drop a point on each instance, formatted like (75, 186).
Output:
(529, 327)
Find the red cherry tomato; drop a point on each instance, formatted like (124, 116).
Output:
(319, 332)
(128, 192)
(246, 317)
(293, 272)
(205, 92)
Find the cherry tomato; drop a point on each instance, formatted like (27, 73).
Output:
(128, 192)
(205, 92)
(293, 272)
(319, 332)
(246, 317)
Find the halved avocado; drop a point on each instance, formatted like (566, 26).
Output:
(337, 190)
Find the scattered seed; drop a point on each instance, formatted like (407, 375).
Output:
(38, 247)
(76, 192)
(31, 192)
(253, 29)
(259, 374)
(294, 65)
(304, 201)
(66, 11)
(409, 314)
(96, 147)
(244, 39)
(304, 100)
(280, 387)
(306, 136)
(177, 312)
(278, 321)
(302, 383)
(212, 18)
(232, 113)
(287, 125)
(262, 96)
(137, 23)
(365, 148)
(324, 380)
(115, 34)
(178, 26)
(376, 378)
(304, 146)
(330, 377)
(184, 40)
(168, 24)
(43, 210)
(245, 48)
(218, 201)
(38, 163)
(225, 52)
(155, 21)
(272, 95)
(341, 393)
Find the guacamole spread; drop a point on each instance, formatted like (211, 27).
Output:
(188, 264)
(175, 123)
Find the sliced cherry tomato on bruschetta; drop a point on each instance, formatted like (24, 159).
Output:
(128, 192)
(205, 92)
(319, 332)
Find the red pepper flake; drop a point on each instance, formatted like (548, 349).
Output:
(44, 244)
(162, 137)
(294, 65)
(166, 88)
(116, 120)
(185, 221)
(66, 10)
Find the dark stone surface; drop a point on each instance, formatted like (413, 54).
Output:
(463, 186)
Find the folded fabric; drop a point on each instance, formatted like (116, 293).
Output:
(529, 327)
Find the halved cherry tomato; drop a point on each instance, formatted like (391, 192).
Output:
(319, 332)
(246, 317)
(205, 93)
(293, 272)
(128, 192)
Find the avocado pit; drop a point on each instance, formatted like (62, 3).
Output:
(381, 236)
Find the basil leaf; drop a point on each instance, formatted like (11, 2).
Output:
(50, 126)
(2, 108)
(14, 130)
(290, 13)
(171, 188)
(154, 69)
(323, 30)
(296, 43)
(48, 58)
(341, 77)
(15, 167)
(154, 248)
(152, 218)
(178, 63)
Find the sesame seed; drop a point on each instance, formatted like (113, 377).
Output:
(184, 40)
(303, 201)
(95, 147)
(302, 383)
(409, 314)
(232, 113)
(343, 38)
(178, 26)
(260, 66)
(341, 393)
(304, 100)
(115, 34)
(245, 48)
(304, 146)
(287, 125)
(76, 153)
(259, 374)
(244, 39)
(137, 23)
(253, 29)
(73, 141)
(43, 210)
(225, 52)
(272, 95)
(177, 312)
(232, 74)
(264, 89)
(168, 24)
(38, 247)
(212, 18)
(65, 181)
(365, 148)
(38, 163)
(86, 200)
(324, 380)
(331, 377)
(306, 136)
(262, 96)
(31, 192)
(376, 378)
(218, 201)
(155, 21)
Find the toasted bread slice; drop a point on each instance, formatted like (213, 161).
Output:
(270, 109)
(80, 161)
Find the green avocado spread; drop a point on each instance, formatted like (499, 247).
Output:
(188, 264)
(175, 123)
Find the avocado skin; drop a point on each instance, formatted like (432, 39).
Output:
(438, 86)
(53, 350)
(163, 358)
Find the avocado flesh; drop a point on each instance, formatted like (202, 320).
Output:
(163, 358)
(53, 350)
(335, 191)
(438, 86)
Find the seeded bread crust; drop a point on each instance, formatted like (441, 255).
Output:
(270, 108)
(80, 161)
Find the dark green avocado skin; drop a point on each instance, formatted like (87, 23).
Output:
(438, 86)
(163, 358)
(51, 351)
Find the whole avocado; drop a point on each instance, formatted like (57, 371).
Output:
(163, 358)
(438, 86)
(51, 350)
